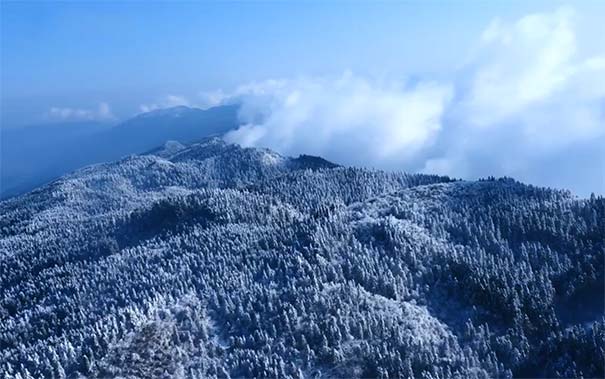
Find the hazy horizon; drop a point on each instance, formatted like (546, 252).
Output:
(465, 90)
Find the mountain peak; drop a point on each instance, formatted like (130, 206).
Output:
(313, 162)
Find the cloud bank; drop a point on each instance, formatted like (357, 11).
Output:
(348, 119)
(204, 100)
(101, 113)
(166, 102)
(527, 103)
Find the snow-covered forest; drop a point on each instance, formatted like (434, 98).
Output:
(210, 260)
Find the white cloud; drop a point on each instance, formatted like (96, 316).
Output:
(168, 101)
(350, 119)
(211, 99)
(521, 64)
(203, 100)
(526, 100)
(530, 69)
(102, 113)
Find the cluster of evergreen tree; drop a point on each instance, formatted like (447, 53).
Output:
(218, 261)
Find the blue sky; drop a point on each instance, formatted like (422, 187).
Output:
(433, 83)
(82, 53)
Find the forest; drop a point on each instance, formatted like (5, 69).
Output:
(209, 260)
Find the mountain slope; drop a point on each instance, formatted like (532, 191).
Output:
(209, 260)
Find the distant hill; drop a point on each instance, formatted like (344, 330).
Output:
(208, 260)
(31, 156)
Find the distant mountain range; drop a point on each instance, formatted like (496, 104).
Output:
(31, 156)
(208, 260)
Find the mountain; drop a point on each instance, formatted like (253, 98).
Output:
(210, 260)
(31, 156)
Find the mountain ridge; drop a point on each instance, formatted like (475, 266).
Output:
(213, 260)
(70, 147)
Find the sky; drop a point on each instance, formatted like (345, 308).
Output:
(467, 89)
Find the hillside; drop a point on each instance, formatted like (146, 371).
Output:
(211, 260)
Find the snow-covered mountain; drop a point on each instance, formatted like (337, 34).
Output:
(31, 156)
(211, 260)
